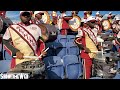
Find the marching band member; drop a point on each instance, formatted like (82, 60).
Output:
(99, 19)
(98, 16)
(54, 18)
(87, 14)
(38, 17)
(86, 40)
(110, 17)
(23, 39)
(74, 13)
(38, 20)
(116, 31)
(62, 24)
(116, 43)
(3, 13)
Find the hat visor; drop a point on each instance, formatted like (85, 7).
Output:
(26, 14)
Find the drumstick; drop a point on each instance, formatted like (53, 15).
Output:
(33, 57)
(42, 54)
(102, 48)
(96, 51)
(44, 51)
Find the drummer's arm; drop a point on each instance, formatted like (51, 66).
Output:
(43, 33)
(81, 46)
(7, 43)
(78, 39)
(79, 43)
(44, 38)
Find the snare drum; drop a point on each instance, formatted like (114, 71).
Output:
(100, 57)
(35, 68)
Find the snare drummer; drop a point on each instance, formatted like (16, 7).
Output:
(116, 43)
(116, 31)
(87, 42)
(23, 39)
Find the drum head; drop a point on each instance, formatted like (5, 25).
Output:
(106, 25)
(46, 17)
(75, 23)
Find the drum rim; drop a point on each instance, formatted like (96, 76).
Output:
(109, 26)
(71, 26)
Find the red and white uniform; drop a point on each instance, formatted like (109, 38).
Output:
(24, 39)
(62, 24)
(115, 42)
(87, 37)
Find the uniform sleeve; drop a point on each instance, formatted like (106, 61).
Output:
(78, 39)
(39, 31)
(6, 36)
(7, 41)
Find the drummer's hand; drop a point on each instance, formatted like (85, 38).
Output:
(87, 50)
(43, 53)
(19, 55)
(45, 37)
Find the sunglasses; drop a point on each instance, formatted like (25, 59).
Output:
(26, 14)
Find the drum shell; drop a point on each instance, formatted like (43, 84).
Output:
(73, 24)
(46, 17)
(100, 58)
(108, 24)
(102, 69)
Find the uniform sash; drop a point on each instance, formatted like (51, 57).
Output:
(91, 35)
(26, 36)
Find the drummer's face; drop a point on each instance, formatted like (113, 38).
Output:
(25, 17)
(39, 16)
(85, 24)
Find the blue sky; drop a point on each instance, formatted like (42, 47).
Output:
(14, 15)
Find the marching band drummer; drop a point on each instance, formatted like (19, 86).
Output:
(116, 31)
(99, 19)
(62, 24)
(86, 40)
(87, 14)
(74, 13)
(23, 39)
(38, 17)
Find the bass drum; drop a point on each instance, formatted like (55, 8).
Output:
(75, 23)
(46, 17)
(4, 24)
(50, 30)
(106, 24)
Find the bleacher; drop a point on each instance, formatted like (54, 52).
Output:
(62, 60)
